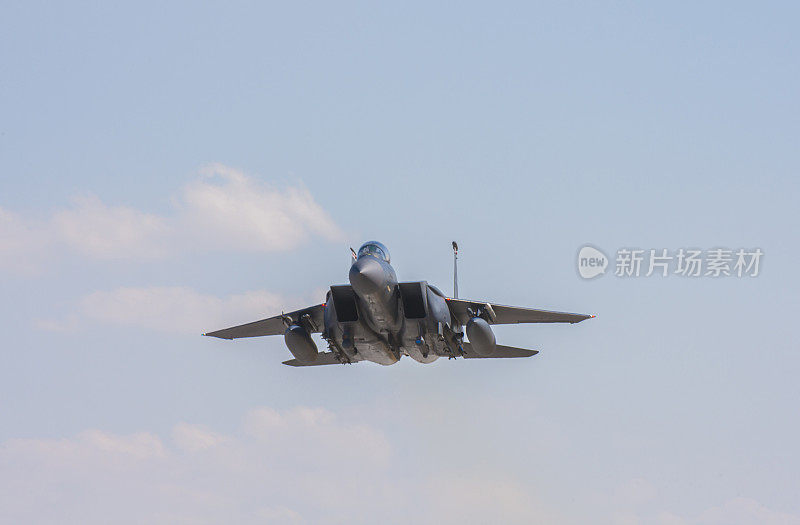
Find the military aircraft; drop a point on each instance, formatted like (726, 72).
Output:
(375, 318)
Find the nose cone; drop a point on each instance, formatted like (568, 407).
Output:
(367, 276)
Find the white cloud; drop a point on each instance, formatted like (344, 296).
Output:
(198, 477)
(194, 438)
(116, 232)
(301, 426)
(223, 209)
(173, 309)
(235, 211)
(303, 465)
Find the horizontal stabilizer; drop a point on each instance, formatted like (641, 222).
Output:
(501, 351)
(324, 358)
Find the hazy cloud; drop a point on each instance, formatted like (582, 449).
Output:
(174, 309)
(737, 511)
(115, 232)
(634, 492)
(301, 465)
(200, 476)
(231, 210)
(22, 243)
(475, 499)
(223, 209)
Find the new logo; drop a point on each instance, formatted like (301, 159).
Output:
(591, 262)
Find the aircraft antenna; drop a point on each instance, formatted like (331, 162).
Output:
(455, 270)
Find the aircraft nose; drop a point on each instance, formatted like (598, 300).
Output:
(367, 276)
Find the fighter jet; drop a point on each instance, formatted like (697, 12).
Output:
(376, 318)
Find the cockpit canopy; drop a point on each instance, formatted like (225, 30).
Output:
(375, 249)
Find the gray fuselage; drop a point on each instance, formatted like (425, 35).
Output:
(378, 319)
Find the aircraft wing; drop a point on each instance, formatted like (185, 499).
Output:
(510, 314)
(499, 352)
(274, 325)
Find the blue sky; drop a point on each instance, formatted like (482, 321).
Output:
(168, 169)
